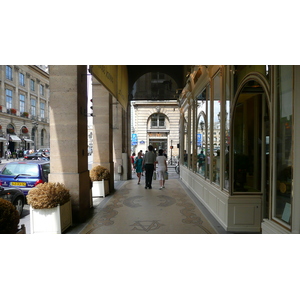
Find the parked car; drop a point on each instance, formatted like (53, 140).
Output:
(47, 150)
(15, 196)
(37, 156)
(24, 175)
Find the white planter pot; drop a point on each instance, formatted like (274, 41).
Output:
(100, 188)
(51, 220)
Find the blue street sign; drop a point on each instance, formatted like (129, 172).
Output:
(199, 139)
(134, 139)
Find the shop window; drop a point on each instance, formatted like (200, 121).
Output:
(186, 140)
(201, 134)
(216, 127)
(250, 163)
(284, 155)
(226, 131)
(208, 134)
(191, 150)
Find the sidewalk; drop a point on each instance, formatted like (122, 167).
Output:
(132, 209)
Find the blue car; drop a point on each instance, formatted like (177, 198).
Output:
(24, 175)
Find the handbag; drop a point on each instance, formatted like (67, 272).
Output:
(166, 175)
(154, 175)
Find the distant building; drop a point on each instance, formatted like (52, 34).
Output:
(155, 114)
(24, 108)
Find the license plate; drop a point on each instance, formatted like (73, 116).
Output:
(18, 183)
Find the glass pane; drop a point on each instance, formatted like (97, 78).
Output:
(191, 138)
(217, 130)
(227, 131)
(185, 151)
(202, 134)
(247, 139)
(161, 120)
(200, 142)
(208, 142)
(284, 158)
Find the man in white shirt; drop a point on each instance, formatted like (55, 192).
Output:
(148, 165)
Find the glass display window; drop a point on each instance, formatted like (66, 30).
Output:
(282, 205)
(216, 142)
(226, 131)
(250, 123)
(202, 125)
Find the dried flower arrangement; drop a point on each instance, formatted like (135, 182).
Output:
(99, 173)
(9, 217)
(48, 195)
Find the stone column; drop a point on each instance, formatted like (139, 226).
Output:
(68, 135)
(102, 129)
(117, 137)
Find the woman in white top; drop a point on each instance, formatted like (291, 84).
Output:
(161, 162)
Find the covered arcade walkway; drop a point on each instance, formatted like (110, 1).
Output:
(132, 209)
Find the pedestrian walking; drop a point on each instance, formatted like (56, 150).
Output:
(142, 155)
(138, 165)
(149, 166)
(132, 161)
(162, 168)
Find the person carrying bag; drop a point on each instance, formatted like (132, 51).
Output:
(149, 166)
(162, 168)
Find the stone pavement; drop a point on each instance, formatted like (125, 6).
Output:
(132, 209)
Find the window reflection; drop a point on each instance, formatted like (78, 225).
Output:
(248, 139)
(217, 131)
(227, 131)
(202, 134)
(284, 159)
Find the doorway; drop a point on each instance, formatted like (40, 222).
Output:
(159, 144)
(251, 144)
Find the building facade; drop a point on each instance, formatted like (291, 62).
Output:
(156, 124)
(24, 108)
(155, 114)
(246, 179)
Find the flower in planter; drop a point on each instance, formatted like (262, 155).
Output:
(10, 130)
(13, 111)
(24, 130)
(99, 173)
(48, 195)
(9, 217)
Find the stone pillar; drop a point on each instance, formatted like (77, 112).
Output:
(117, 138)
(102, 129)
(127, 141)
(68, 135)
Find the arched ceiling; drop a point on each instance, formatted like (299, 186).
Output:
(176, 72)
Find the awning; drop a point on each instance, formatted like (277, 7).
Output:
(2, 138)
(115, 79)
(14, 138)
(28, 140)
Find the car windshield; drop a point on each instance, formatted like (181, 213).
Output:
(21, 169)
